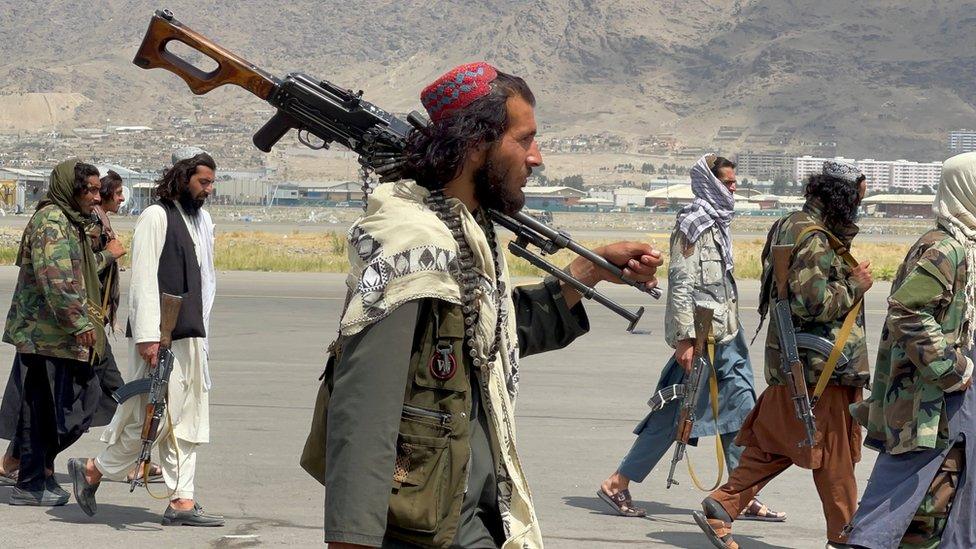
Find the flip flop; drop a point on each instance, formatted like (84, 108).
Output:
(622, 503)
(757, 510)
(718, 531)
(155, 474)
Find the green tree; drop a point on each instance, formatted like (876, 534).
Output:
(574, 181)
(647, 168)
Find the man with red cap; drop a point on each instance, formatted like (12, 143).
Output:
(413, 434)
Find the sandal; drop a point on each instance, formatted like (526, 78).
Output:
(757, 510)
(718, 531)
(9, 479)
(155, 473)
(622, 503)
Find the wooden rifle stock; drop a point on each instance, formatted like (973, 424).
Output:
(686, 417)
(781, 256)
(231, 68)
(169, 311)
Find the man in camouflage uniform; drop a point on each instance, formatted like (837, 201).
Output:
(55, 322)
(921, 415)
(822, 290)
(700, 273)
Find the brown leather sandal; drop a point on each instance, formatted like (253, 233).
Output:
(757, 510)
(622, 503)
(718, 531)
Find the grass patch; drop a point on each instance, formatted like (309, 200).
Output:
(326, 253)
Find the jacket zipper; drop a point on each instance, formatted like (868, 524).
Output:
(442, 417)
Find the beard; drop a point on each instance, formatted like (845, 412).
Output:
(491, 189)
(190, 204)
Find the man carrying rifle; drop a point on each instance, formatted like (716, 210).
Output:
(700, 273)
(821, 293)
(172, 252)
(414, 431)
(921, 415)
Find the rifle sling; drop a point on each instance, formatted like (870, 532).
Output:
(847, 326)
(719, 450)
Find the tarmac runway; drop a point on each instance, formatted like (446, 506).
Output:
(576, 410)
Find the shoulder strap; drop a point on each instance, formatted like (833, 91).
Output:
(847, 326)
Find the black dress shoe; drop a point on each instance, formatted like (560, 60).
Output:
(84, 490)
(37, 498)
(193, 517)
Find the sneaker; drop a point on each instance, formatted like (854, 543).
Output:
(193, 517)
(84, 490)
(37, 498)
(51, 483)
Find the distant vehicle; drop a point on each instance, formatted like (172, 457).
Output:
(544, 216)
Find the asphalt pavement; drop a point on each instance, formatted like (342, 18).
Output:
(575, 413)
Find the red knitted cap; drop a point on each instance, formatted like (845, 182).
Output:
(457, 88)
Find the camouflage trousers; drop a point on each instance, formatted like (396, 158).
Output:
(929, 522)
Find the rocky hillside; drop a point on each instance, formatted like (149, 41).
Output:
(881, 78)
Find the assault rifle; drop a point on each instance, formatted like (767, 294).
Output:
(693, 384)
(155, 384)
(790, 363)
(336, 115)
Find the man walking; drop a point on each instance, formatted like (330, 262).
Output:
(700, 273)
(172, 252)
(56, 324)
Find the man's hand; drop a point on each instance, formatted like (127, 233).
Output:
(115, 248)
(86, 339)
(862, 276)
(149, 351)
(638, 260)
(684, 351)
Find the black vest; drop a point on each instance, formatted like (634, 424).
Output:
(179, 274)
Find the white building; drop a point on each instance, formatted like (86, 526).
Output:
(628, 196)
(882, 175)
(962, 141)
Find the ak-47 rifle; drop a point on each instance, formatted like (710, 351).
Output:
(336, 115)
(694, 383)
(155, 384)
(790, 363)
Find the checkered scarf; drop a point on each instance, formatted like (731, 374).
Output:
(713, 206)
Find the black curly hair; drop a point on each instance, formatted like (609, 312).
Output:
(82, 172)
(178, 177)
(435, 154)
(111, 181)
(839, 199)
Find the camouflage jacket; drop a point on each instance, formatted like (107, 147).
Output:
(918, 359)
(49, 304)
(697, 276)
(820, 293)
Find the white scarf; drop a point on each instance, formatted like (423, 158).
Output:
(955, 210)
(401, 251)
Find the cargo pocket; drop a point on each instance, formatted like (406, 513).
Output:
(420, 476)
(441, 366)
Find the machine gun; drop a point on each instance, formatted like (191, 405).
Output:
(317, 107)
(337, 115)
(790, 363)
(156, 384)
(694, 383)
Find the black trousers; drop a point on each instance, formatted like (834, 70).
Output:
(60, 396)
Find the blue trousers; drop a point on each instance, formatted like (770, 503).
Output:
(737, 397)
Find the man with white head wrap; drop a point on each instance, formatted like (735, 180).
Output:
(921, 415)
(172, 252)
(700, 273)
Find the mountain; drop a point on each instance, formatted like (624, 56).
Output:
(885, 79)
